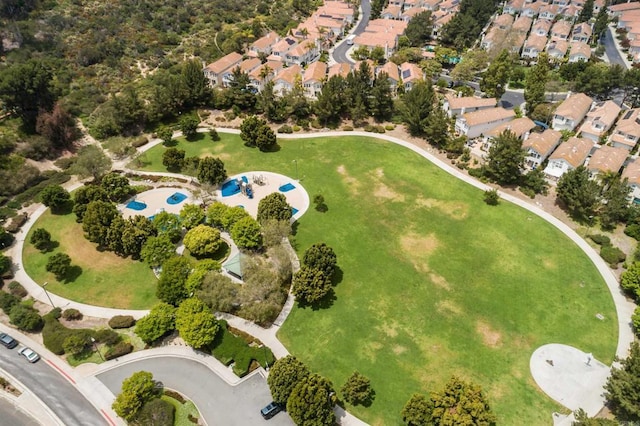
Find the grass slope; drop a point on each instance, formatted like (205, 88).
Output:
(434, 282)
(105, 279)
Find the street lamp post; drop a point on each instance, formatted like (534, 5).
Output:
(44, 287)
(296, 161)
(96, 348)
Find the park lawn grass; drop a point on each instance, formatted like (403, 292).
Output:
(433, 282)
(104, 278)
(182, 411)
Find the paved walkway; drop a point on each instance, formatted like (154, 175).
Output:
(624, 308)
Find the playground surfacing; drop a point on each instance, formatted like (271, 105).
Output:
(247, 189)
(154, 201)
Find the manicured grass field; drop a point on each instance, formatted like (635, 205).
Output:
(104, 279)
(434, 282)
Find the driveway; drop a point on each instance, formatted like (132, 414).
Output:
(339, 53)
(218, 402)
(54, 390)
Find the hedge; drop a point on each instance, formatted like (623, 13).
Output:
(108, 336)
(122, 321)
(54, 333)
(228, 348)
(119, 350)
(601, 240)
(8, 301)
(17, 289)
(612, 255)
(72, 314)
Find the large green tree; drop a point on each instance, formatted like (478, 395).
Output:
(416, 107)
(136, 391)
(535, 83)
(602, 19)
(505, 159)
(357, 389)
(494, 82)
(381, 101)
(97, 220)
(630, 280)
(420, 29)
(274, 206)
(156, 250)
(332, 101)
(461, 402)
(55, 196)
(203, 240)
(172, 282)
(211, 170)
(83, 196)
(91, 162)
(116, 186)
(579, 193)
(417, 411)
(321, 257)
(310, 285)
(197, 85)
(59, 265)
(196, 323)
(191, 215)
(311, 402)
(136, 231)
(586, 13)
(158, 322)
(623, 387)
(285, 374)
(246, 233)
(436, 131)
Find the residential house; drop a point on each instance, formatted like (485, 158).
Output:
(557, 49)
(410, 74)
(533, 46)
(286, 79)
(568, 156)
(522, 24)
(617, 9)
(342, 70)
(579, 51)
(634, 49)
(606, 159)
(393, 74)
(561, 3)
(249, 65)
(383, 33)
(571, 112)
(477, 123)
(514, 7)
(531, 10)
(561, 30)
(279, 50)
(302, 54)
(450, 6)
(494, 36)
(520, 127)
(314, 78)
(391, 12)
(538, 147)
(431, 5)
(581, 32)
(599, 120)
(597, 5)
(264, 44)
(541, 27)
(632, 173)
(504, 21)
(626, 133)
(457, 106)
(549, 11)
(408, 14)
(440, 22)
(336, 9)
(217, 70)
(570, 12)
(264, 73)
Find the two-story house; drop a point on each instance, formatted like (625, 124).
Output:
(456, 106)
(579, 51)
(571, 112)
(581, 32)
(538, 147)
(533, 46)
(626, 132)
(477, 123)
(520, 127)
(632, 174)
(568, 156)
(216, 71)
(599, 120)
(314, 78)
(606, 159)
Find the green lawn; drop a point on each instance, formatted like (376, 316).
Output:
(104, 279)
(182, 411)
(434, 282)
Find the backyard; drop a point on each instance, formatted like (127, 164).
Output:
(433, 281)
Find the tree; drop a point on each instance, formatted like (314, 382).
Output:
(158, 322)
(196, 323)
(25, 318)
(166, 135)
(6, 238)
(630, 280)
(97, 221)
(420, 29)
(41, 239)
(321, 257)
(265, 138)
(136, 391)
(58, 126)
(579, 194)
(211, 170)
(249, 129)
(381, 101)
(191, 215)
(586, 13)
(491, 197)
(135, 233)
(615, 206)
(202, 240)
(83, 196)
(583, 419)
(59, 265)
(76, 344)
(233, 215)
(196, 84)
(171, 284)
(215, 213)
(357, 390)
(275, 108)
(55, 196)
(168, 224)
(535, 83)
(416, 106)
(436, 131)
(274, 206)
(417, 411)
(156, 250)
(505, 159)
(246, 233)
(461, 403)
(116, 186)
(285, 374)
(239, 87)
(91, 162)
(156, 412)
(173, 159)
(331, 101)
(311, 402)
(494, 82)
(623, 387)
(310, 285)
(189, 125)
(602, 20)
(26, 88)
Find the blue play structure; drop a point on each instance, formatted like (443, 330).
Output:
(294, 211)
(232, 187)
(136, 205)
(249, 192)
(287, 187)
(176, 198)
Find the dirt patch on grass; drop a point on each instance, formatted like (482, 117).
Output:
(398, 349)
(370, 350)
(490, 337)
(549, 263)
(221, 156)
(383, 191)
(440, 281)
(379, 172)
(447, 308)
(418, 248)
(84, 253)
(454, 209)
(390, 329)
(349, 180)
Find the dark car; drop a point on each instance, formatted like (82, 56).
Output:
(8, 341)
(270, 410)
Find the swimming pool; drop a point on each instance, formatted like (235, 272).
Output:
(176, 198)
(287, 187)
(136, 205)
(231, 187)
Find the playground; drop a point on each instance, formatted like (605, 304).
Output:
(247, 189)
(154, 201)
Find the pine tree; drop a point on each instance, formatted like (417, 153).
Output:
(497, 76)
(535, 83)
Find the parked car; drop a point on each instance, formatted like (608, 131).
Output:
(29, 354)
(270, 410)
(8, 341)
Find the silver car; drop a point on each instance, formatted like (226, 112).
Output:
(30, 355)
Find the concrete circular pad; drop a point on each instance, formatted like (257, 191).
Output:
(571, 377)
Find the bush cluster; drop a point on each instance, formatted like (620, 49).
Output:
(54, 334)
(118, 350)
(122, 321)
(17, 222)
(72, 314)
(17, 289)
(285, 128)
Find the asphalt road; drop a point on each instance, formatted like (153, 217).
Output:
(340, 51)
(53, 389)
(218, 402)
(10, 415)
(610, 47)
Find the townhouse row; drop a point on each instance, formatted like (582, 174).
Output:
(628, 15)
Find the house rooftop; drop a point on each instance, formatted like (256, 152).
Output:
(632, 172)
(574, 151)
(469, 102)
(289, 75)
(561, 28)
(522, 24)
(316, 71)
(536, 41)
(225, 63)
(265, 42)
(543, 143)
(604, 113)
(518, 126)
(579, 47)
(410, 72)
(487, 116)
(342, 70)
(608, 159)
(391, 69)
(504, 20)
(574, 107)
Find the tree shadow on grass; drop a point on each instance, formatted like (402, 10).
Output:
(322, 208)
(170, 144)
(337, 276)
(64, 209)
(273, 148)
(197, 137)
(325, 303)
(50, 247)
(72, 274)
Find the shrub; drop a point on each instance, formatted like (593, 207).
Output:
(65, 162)
(296, 128)
(635, 319)
(228, 348)
(156, 412)
(633, 230)
(25, 318)
(369, 128)
(17, 222)
(72, 314)
(107, 336)
(120, 349)
(17, 289)
(347, 128)
(213, 133)
(379, 129)
(139, 141)
(389, 127)
(357, 389)
(54, 334)
(175, 395)
(601, 240)
(612, 255)
(59, 265)
(75, 344)
(491, 197)
(8, 301)
(285, 128)
(41, 239)
(122, 321)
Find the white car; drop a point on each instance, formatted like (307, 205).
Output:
(30, 355)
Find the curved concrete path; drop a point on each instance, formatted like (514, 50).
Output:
(624, 308)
